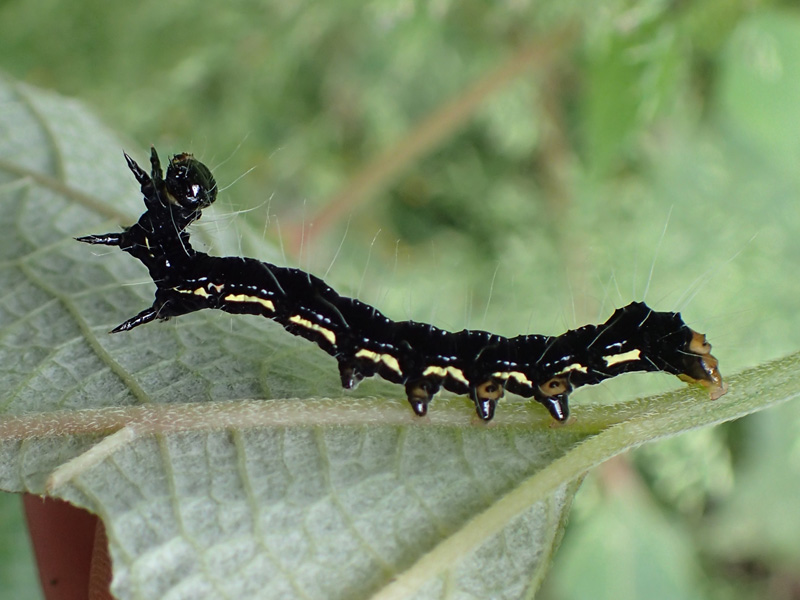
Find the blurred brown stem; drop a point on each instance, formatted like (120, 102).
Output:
(428, 134)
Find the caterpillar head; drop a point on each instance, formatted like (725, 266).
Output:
(190, 183)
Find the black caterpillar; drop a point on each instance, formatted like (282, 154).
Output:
(364, 342)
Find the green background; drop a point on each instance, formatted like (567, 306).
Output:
(647, 150)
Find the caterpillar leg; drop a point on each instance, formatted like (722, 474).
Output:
(352, 371)
(554, 396)
(420, 392)
(485, 396)
(558, 407)
(350, 375)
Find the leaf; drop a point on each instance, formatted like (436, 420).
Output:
(17, 572)
(220, 453)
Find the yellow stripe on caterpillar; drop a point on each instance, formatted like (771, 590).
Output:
(443, 372)
(387, 359)
(520, 377)
(573, 367)
(614, 359)
(326, 333)
(254, 299)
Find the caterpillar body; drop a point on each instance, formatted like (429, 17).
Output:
(419, 356)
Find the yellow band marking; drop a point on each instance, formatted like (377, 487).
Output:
(613, 359)
(203, 293)
(387, 359)
(326, 333)
(443, 372)
(373, 356)
(246, 298)
(574, 367)
(520, 377)
(196, 292)
(391, 362)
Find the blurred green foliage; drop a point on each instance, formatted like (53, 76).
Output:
(18, 577)
(649, 148)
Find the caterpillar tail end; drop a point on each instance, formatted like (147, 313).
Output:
(703, 368)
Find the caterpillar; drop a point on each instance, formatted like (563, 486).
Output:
(419, 356)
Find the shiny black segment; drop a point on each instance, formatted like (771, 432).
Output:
(364, 342)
